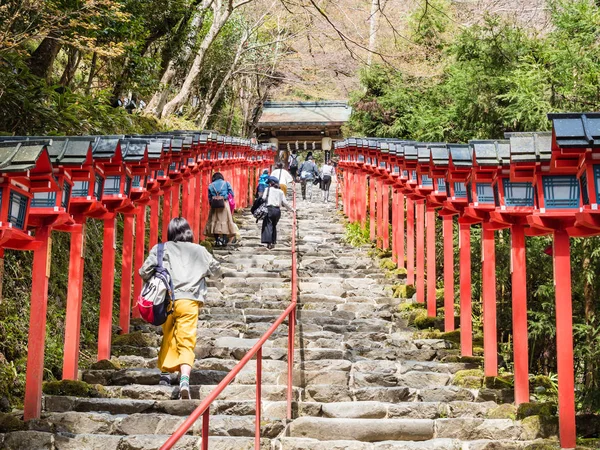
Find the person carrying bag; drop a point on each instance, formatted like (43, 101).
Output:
(220, 219)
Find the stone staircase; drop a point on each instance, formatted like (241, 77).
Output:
(362, 381)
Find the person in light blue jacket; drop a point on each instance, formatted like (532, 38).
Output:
(220, 221)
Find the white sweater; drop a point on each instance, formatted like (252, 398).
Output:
(276, 198)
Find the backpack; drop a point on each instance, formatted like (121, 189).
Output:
(155, 303)
(294, 162)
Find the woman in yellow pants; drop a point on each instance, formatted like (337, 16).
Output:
(188, 264)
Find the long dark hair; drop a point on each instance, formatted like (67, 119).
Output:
(217, 176)
(179, 230)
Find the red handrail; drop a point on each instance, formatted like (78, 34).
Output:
(204, 408)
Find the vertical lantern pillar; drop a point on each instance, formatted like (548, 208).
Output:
(466, 326)
(372, 219)
(394, 226)
(206, 206)
(564, 339)
(197, 208)
(191, 197)
(154, 220)
(106, 290)
(37, 325)
(519, 314)
(140, 244)
(185, 191)
(490, 344)
(400, 229)
(175, 200)
(420, 251)
(385, 204)
(410, 241)
(379, 207)
(166, 212)
(126, 271)
(74, 299)
(431, 274)
(448, 273)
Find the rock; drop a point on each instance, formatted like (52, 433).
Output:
(368, 430)
(11, 422)
(472, 378)
(136, 376)
(380, 394)
(135, 339)
(446, 394)
(535, 427)
(414, 410)
(468, 429)
(73, 388)
(355, 410)
(34, 440)
(505, 411)
(536, 409)
(86, 442)
(106, 364)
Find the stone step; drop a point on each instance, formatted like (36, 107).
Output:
(290, 443)
(37, 440)
(373, 430)
(274, 409)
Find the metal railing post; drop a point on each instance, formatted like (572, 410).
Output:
(258, 398)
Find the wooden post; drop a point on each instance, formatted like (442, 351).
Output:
(564, 339)
(154, 220)
(37, 325)
(166, 213)
(363, 199)
(74, 300)
(394, 226)
(410, 241)
(385, 204)
(197, 208)
(185, 191)
(140, 247)
(175, 193)
(106, 290)
(431, 273)
(400, 223)
(448, 273)
(519, 314)
(466, 325)
(379, 207)
(490, 340)
(420, 251)
(372, 218)
(126, 272)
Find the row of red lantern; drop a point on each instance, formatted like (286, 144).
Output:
(56, 183)
(530, 183)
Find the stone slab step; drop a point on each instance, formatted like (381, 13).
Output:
(38, 440)
(151, 423)
(373, 430)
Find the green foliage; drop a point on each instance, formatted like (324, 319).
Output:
(356, 235)
(496, 77)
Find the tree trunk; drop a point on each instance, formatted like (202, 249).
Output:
(220, 17)
(90, 79)
(72, 64)
(42, 59)
(160, 96)
(373, 28)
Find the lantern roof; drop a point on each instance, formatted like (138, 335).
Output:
(410, 151)
(21, 156)
(460, 155)
(487, 152)
(106, 147)
(439, 154)
(155, 149)
(530, 147)
(134, 150)
(423, 153)
(66, 150)
(576, 129)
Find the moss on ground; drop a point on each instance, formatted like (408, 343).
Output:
(403, 291)
(505, 411)
(10, 422)
(500, 382)
(470, 378)
(536, 409)
(135, 339)
(106, 364)
(72, 388)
